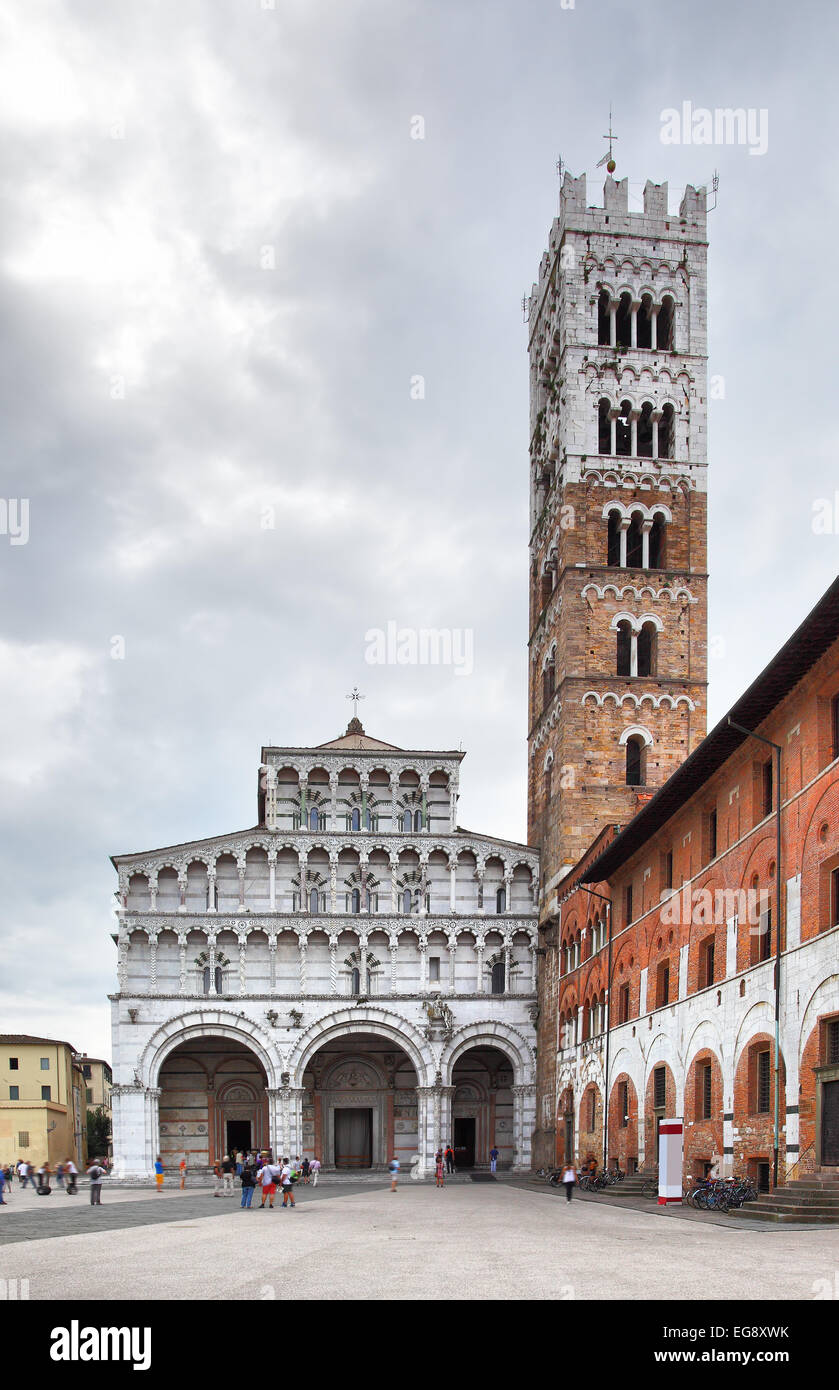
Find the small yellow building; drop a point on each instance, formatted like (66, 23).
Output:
(43, 1110)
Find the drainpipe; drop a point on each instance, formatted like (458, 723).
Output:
(608, 902)
(777, 791)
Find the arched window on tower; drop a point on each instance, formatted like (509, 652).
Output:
(623, 327)
(664, 334)
(623, 429)
(603, 316)
(407, 901)
(314, 819)
(501, 900)
(498, 977)
(624, 648)
(604, 427)
(644, 335)
(355, 980)
(418, 820)
(355, 900)
(613, 546)
(665, 433)
(355, 818)
(635, 761)
(645, 431)
(314, 900)
(407, 821)
(548, 681)
(218, 979)
(634, 543)
(657, 543)
(647, 650)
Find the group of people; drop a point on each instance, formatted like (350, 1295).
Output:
(66, 1176)
(258, 1170)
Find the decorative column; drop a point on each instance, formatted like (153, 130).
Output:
(181, 963)
(613, 432)
(452, 809)
(182, 890)
(424, 803)
(394, 788)
(394, 951)
(452, 961)
(453, 885)
(152, 989)
(633, 322)
(153, 890)
(425, 1129)
(212, 962)
(333, 801)
(123, 948)
(423, 950)
(479, 952)
(333, 882)
(211, 887)
(508, 891)
(272, 963)
(333, 964)
(524, 1120)
(622, 535)
(446, 1094)
(394, 867)
(304, 813)
(364, 780)
(243, 945)
(654, 325)
(362, 964)
(633, 432)
(479, 874)
(534, 967)
(302, 947)
(363, 877)
(240, 869)
(508, 979)
(646, 527)
(303, 858)
(655, 417)
(275, 1135)
(613, 324)
(272, 880)
(270, 798)
(152, 1126)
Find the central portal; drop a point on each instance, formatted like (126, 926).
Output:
(353, 1138)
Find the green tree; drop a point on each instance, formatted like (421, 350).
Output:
(98, 1132)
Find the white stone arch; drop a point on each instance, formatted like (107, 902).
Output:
(346, 1023)
(207, 1023)
(824, 999)
(758, 1018)
(636, 731)
(491, 1034)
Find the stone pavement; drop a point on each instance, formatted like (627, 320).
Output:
(468, 1241)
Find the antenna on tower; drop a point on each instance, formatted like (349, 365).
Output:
(715, 184)
(560, 168)
(608, 158)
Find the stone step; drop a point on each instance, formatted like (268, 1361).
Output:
(798, 1214)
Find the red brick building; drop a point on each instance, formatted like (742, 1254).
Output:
(663, 972)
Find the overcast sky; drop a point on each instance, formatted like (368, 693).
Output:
(223, 258)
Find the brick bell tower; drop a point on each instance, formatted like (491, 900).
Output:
(618, 466)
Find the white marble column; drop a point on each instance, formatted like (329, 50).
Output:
(152, 988)
(181, 964)
(272, 963)
(394, 868)
(453, 885)
(394, 953)
(333, 964)
(122, 963)
(272, 880)
(302, 948)
(303, 861)
(211, 952)
(333, 801)
(333, 884)
(211, 889)
(479, 952)
(153, 890)
(452, 961)
(243, 946)
(240, 870)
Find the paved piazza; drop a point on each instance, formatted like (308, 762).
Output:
(356, 1240)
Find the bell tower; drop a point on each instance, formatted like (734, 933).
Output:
(618, 466)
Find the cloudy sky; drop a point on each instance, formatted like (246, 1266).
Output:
(223, 259)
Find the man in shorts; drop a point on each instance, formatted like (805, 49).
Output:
(267, 1181)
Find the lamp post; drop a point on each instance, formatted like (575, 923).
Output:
(608, 902)
(777, 791)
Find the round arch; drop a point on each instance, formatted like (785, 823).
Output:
(498, 1035)
(215, 1023)
(376, 1021)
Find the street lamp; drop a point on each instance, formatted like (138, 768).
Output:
(776, 1098)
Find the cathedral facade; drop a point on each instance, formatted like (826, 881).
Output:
(353, 978)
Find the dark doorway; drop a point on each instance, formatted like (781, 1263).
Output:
(354, 1138)
(830, 1122)
(238, 1136)
(569, 1139)
(464, 1143)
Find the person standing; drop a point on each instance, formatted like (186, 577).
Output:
(439, 1169)
(72, 1177)
(569, 1180)
(3, 1202)
(59, 1174)
(493, 1159)
(314, 1169)
(304, 1170)
(286, 1184)
(158, 1173)
(96, 1173)
(182, 1168)
(44, 1175)
(217, 1177)
(449, 1159)
(228, 1167)
(248, 1180)
(267, 1183)
(394, 1172)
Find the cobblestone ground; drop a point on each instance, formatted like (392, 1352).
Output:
(478, 1241)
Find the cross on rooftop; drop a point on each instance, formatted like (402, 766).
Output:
(355, 697)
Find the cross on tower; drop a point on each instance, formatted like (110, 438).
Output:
(355, 697)
(608, 158)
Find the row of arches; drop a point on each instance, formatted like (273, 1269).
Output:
(636, 431)
(636, 320)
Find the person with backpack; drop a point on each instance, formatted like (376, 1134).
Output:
(394, 1172)
(96, 1173)
(449, 1159)
(493, 1159)
(247, 1178)
(569, 1180)
(304, 1172)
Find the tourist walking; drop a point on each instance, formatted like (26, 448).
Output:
(304, 1170)
(96, 1173)
(43, 1176)
(248, 1181)
(158, 1173)
(439, 1169)
(182, 1170)
(217, 1177)
(394, 1172)
(493, 1159)
(25, 1173)
(286, 1184)
(569, 1180)
(314, 1169)
(449, 1159)
(59, 1175)
(72, 1177)
(3, 1202)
